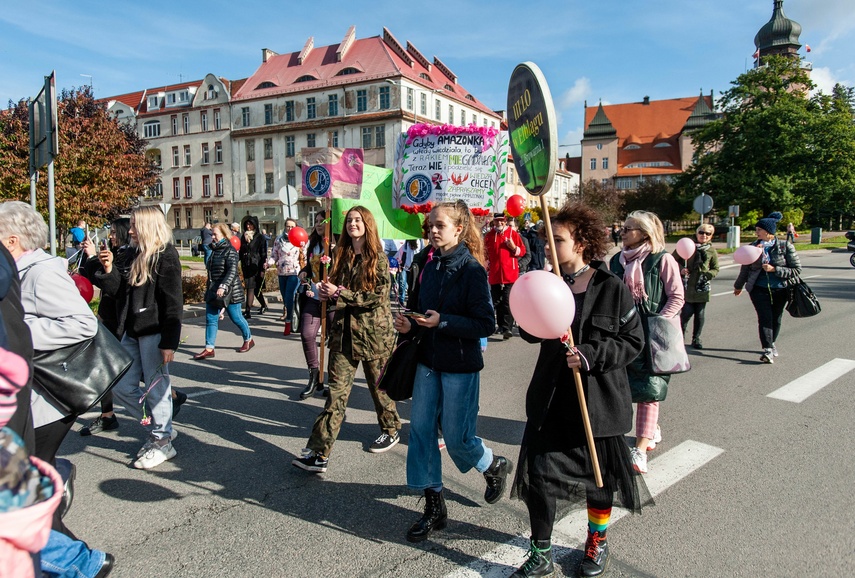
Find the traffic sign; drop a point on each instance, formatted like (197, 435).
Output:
(703, 204)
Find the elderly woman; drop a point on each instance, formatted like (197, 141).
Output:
(697, 271)
(653, 278)
(53, 310)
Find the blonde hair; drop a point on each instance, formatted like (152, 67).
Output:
(21, 220)
(224, 230)
(705, 228)
(152, 235)
(652, 228)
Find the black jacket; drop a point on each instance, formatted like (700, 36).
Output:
(535, 249)
(465, 316)
(108, 306)
(253, 254)
(157, 306)
(610, 336)
(223, 271)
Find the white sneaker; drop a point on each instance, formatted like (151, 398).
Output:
(657, 438)
(774, 351)
(154, 455)
(767, 355)
(441, 443)
(152, 440)
(639, 460)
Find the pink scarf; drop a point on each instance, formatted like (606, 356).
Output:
(633, 276)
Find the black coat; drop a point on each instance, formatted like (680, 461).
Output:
(109, 305)
(465, 315)
(253, 254)
(609, 337)
(223, 271)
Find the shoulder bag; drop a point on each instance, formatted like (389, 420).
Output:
(399, 374)
(666, 351)
(801, 302)
(77, 376)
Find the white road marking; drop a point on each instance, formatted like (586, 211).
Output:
(665, 470)
(720, 294)
(208, 392)
(805, 386)
(731, 291)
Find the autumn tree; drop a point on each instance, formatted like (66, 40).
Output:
(658, 197)
(776, 148)
(605, 199)
(100, 170)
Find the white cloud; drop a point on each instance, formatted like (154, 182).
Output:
(825, 79)
(577, 93)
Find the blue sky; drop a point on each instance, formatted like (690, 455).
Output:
(614, 50)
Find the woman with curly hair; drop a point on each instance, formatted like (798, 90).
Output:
(358, 286)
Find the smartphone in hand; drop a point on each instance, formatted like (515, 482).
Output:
(414, 314)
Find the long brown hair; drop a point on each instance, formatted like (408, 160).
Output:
(366, 276)
(458, 212)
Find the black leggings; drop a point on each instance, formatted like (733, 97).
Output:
(48, 439)
(769, 305)
(542, 508)
(690, 309)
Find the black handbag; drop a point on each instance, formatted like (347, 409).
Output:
(399, 374)
(77, 376)
(801, 302)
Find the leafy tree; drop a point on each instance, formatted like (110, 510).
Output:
(605, 199)
(658, 197)
(99, 172)
(776, 149)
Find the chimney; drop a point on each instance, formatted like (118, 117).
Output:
(267, 54)
(646, 100)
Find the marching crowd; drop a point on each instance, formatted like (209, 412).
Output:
(455, 292)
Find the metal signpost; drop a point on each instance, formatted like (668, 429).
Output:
(44, 146)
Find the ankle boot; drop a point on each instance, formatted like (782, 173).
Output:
(540, 562)
(496, 475)
(287, 330)
(596, 558)
(312, 387)
(434, 518)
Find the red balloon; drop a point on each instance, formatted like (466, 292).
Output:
(84, 286)
(235, 241)
(515, 206)
(298, 236)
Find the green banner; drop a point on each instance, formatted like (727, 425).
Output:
(377, 197)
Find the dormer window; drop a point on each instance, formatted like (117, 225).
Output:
(449, 88)
(470, 97)
(212, 93)
(183, 96)
(661, 145)
(265, 84)
(349, 70)
(306, 78)
(631, 147)
(425, 77)
(153, 102)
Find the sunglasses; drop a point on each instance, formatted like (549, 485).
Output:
(703, 233)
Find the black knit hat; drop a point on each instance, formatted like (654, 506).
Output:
(770, 223)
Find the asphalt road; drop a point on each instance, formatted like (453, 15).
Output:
(772, 495)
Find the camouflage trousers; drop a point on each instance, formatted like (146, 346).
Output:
(342, 369)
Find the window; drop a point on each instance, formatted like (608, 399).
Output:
(485, 121)
(175, 157)
(244, 115)
(593, 164)
(605, 162)
(310, 140)
(599, 146)
(462, 118)
(151, 129)
(289, 146)
(186, 155)
(156, 190)
(348, 70)
(153, 102)
(311, 110)
(177, 214)
(450, 114)
(624, 183)
(437, 109)
(605, 182)
(268, 114)
(373, 136)
(410, 95)
(218, 152)
(379, 136)
(212, 94)
(189, 215)
(265, 84)
(250, 184)
(250, 150)
(305, 78)
(268, 183)
(186, 119)
(208, 215)
(219, 181)
(206, 155)
(183, 96)
(188, 187)
(333, 139)
(170, 98)
(203, 120)
(206, 186)
(268, 148)
(174, 119)
(155, 158)
(291, 178)
(289, 111)
(176, 188)
(385, 97)
(333, 105)
(423, 104)
(217, 123)
(366, 137)
(361, 100)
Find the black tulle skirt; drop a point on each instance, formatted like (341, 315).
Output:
(552, 468)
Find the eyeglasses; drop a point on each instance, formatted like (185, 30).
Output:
(703, 233)
(627, 230)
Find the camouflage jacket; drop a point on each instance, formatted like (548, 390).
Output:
(362, 326)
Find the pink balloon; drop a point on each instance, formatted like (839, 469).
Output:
(685, 248)
(542, 304)
(747, 254)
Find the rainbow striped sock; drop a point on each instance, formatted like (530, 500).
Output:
(598, 519)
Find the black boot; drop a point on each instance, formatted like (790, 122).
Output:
(496, 475)
(434, 518)
(540, 562)
(596, 558)
(313, 384)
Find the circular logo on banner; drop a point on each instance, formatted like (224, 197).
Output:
(418, 188)
(532, 128)
(317, 181)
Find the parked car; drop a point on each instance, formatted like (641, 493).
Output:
(196, 246)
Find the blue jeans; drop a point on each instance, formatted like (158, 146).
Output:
(288, 288)
(402, 286)
(69, 558)
(453, 399)
(207, 251)
(147, 367)
(212, 321)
